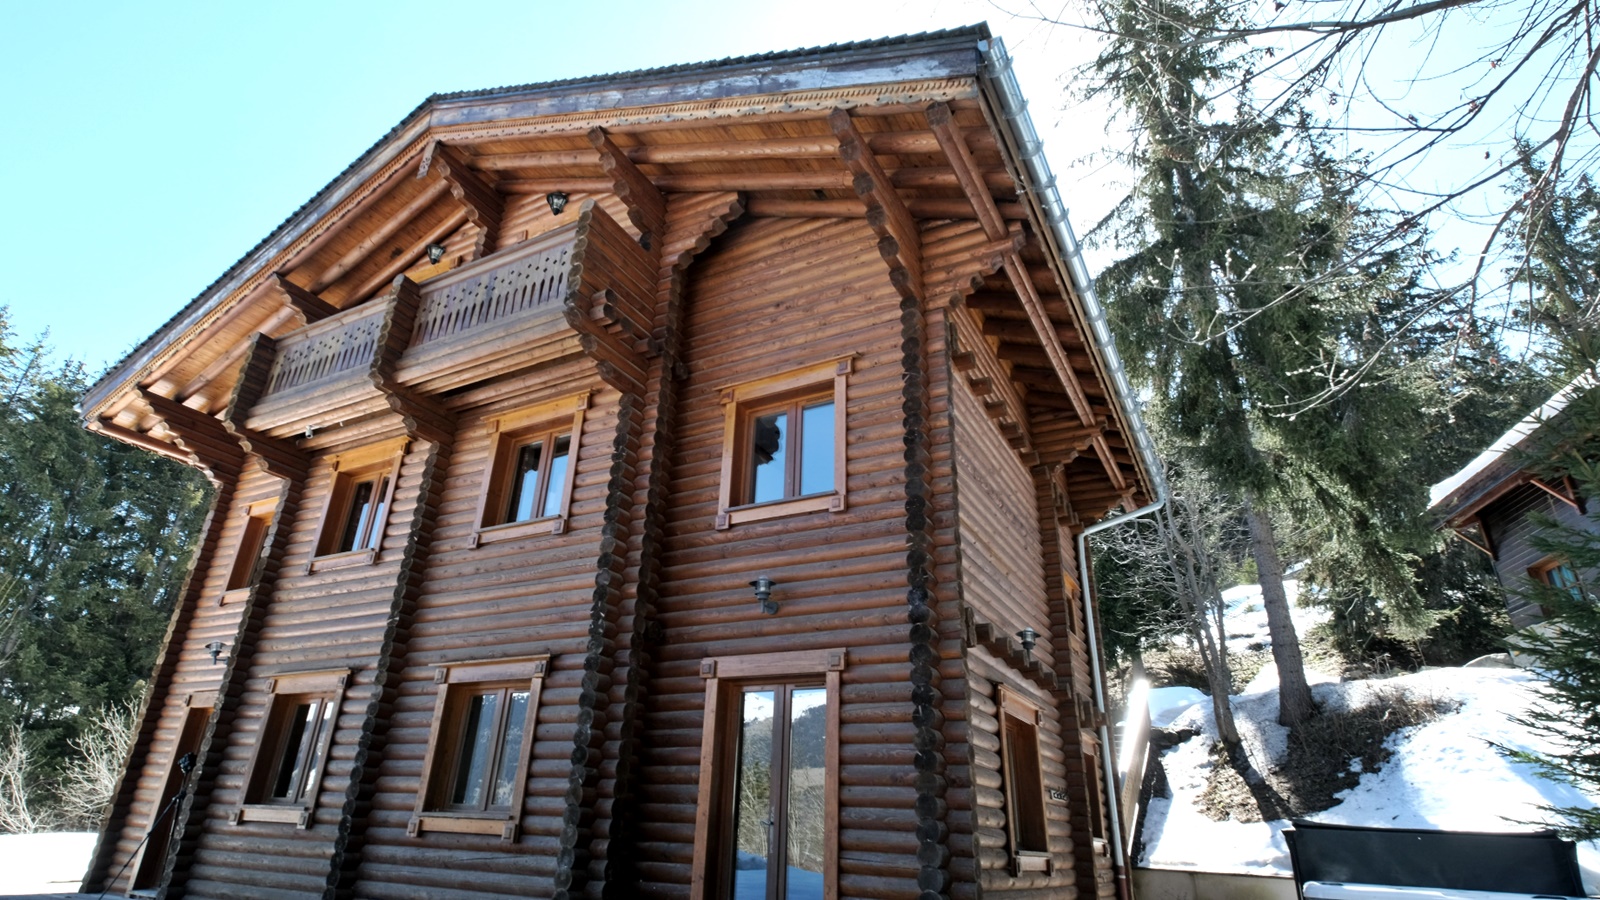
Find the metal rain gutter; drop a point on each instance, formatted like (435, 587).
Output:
(1041, 183)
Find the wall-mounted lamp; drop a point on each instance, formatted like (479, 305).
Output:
(1029, 639)
(557, 201)
(764, 586)
(215, 648)
(435, 253)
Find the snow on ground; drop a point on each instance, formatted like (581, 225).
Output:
(44, 863)
(1444, 774)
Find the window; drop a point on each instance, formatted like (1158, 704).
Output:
(1558, 573)
(783, 445)
(286, 770)
(353, 519)
(768, 809)
(527, 486)
(1022, 773)
(476, 770)
(243, 573)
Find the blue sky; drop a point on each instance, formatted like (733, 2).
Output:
(149, 146)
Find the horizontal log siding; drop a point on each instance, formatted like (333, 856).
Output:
(313, 621)
(1510, 525)
(989, 819)
(774, 295)
(183, 668)
(1002, 569)
(528, 215)
(499, 600)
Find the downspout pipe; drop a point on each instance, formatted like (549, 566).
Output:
(1039, 184)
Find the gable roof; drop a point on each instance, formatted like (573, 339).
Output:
(1498, 467)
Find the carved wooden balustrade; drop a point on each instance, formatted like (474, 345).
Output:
(581, 289)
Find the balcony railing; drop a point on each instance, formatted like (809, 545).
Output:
(326, 350)
(534, 277)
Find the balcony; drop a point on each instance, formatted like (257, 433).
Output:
(581, 289)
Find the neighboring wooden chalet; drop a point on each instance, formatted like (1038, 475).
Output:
(1496, 503)
(680, 541)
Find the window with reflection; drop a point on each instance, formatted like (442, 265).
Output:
(784, 445)
(779, 794)
(529, 477)
(365, 505)
(291, 755)
(1559, 574)
(476, 770)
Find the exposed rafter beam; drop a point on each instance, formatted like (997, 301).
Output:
(484, 205)
(409, 255)
(817, 147)
(921, 208)
(386, 230)
(977, 190)
(647, 208)
(755, 181)
(899, 242)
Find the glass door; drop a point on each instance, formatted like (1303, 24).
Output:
(779, 793)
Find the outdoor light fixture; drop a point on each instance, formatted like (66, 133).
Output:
(557, 201)
(764, 586)
(215, 648)
(435, 253)
(1029, 639)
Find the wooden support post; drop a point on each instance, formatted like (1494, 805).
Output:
(899, 242)
(422, 417)
(647, 207)
(483, 203)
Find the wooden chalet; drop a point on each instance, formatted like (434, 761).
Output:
(661, 484)
(1498, 503)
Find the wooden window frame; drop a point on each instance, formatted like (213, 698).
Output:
(456, 680)
(245, 570)
(724, 677)
(1540, 573)
(742, 403)
(507, 434)
(350, 469)
(1023, 785)
(285, 692)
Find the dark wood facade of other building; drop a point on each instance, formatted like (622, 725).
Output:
(673, 543)
(1498, 503)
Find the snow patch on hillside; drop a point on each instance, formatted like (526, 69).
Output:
(1444, 774)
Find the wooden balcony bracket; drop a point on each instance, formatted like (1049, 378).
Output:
(422, 417)
(280, 459)
(484, 205)
(899, 241)
(105, 426)
(647, 206)
(1005, 647)
(305, 303)
(202, 436)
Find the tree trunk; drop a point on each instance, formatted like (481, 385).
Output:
(1294, 696)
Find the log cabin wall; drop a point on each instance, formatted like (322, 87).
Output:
(774, 295)
(319, 621)
(528, 596)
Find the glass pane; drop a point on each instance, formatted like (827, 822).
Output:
(373, 533)
(314, 745)
(477, 742)
(293, 751)
(558, 476)
(360, 499)
(816, 448)
(808, 763)
(766, 457)
(752, 796)
(507, 769)
(523, 480)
